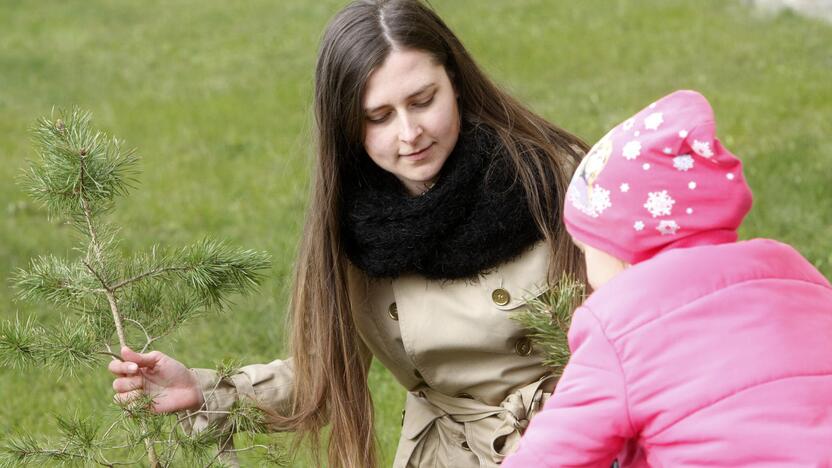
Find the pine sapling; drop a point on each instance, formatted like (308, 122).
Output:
(104, 294)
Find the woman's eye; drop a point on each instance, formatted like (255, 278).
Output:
(383, 118)
(378, 119)
(424, 103)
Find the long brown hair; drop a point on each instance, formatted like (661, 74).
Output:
(329, 358)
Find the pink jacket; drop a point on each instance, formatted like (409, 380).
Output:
(716, 355)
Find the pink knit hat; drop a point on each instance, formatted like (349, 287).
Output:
(659, 180)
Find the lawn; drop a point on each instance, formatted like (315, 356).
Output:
(217, 100)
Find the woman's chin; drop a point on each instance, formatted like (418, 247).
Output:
(418, 186)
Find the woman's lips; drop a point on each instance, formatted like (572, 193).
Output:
(418, 154)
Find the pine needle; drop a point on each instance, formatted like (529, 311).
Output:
(548, 318)
(79, 435)
(77, 161)
(21, 344)
(54, 280)
(24, 450)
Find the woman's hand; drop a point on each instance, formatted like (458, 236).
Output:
(171, 384)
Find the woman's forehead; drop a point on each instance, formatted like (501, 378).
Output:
(403, 75)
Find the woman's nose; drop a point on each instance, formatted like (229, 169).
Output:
(410, 130)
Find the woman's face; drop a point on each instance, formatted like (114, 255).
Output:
(411, 118)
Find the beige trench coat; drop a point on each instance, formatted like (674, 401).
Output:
(473, 378)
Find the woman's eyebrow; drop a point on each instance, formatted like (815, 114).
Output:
(416, 93)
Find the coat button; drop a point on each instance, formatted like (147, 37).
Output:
(523, 346)
(393, 311)
(500, 297)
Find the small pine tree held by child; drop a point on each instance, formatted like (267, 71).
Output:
(104, 293)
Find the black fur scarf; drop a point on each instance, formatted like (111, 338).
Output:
(475, 217)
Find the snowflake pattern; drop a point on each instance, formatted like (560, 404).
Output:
(667, 150)
(729, 176)
(631, 150)
(625, 187)
(702, 148)
(595, 202)
(659, 203)
(667, 227)
(599, 200)
(653, 121)
(683, 133)
(683, 163)
(646, 166)
(638, 225)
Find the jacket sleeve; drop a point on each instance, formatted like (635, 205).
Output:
(586, 422)
(269, 385)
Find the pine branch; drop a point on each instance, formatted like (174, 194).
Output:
(245, 416)
(159, 307)
(97, 249)
(215, 270)
(548, 319)
(25, 450)
(85, 204)
(80, 436)
(79, 444)
(66, 347)
(103, 252)
(97, 318)
(227, 368)
(197, 448)
(148, 275)
(57, 180)
(190, 280)
(64, 145)
(21, 344)
(54, 280)
(70, 346)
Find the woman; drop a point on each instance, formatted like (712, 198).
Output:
(434, 215)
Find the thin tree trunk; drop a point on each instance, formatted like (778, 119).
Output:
(111, 298)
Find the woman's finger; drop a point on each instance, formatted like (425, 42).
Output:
(122, 368)
(143, 360)
(126, 384)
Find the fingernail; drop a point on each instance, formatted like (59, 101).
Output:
(132, 367)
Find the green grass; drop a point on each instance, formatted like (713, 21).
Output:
(217, 100)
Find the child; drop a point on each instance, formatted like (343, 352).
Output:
(694, 349)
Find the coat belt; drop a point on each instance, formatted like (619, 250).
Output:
(490, 430)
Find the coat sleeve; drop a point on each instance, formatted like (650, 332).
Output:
(269, 385)
(586, 422)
